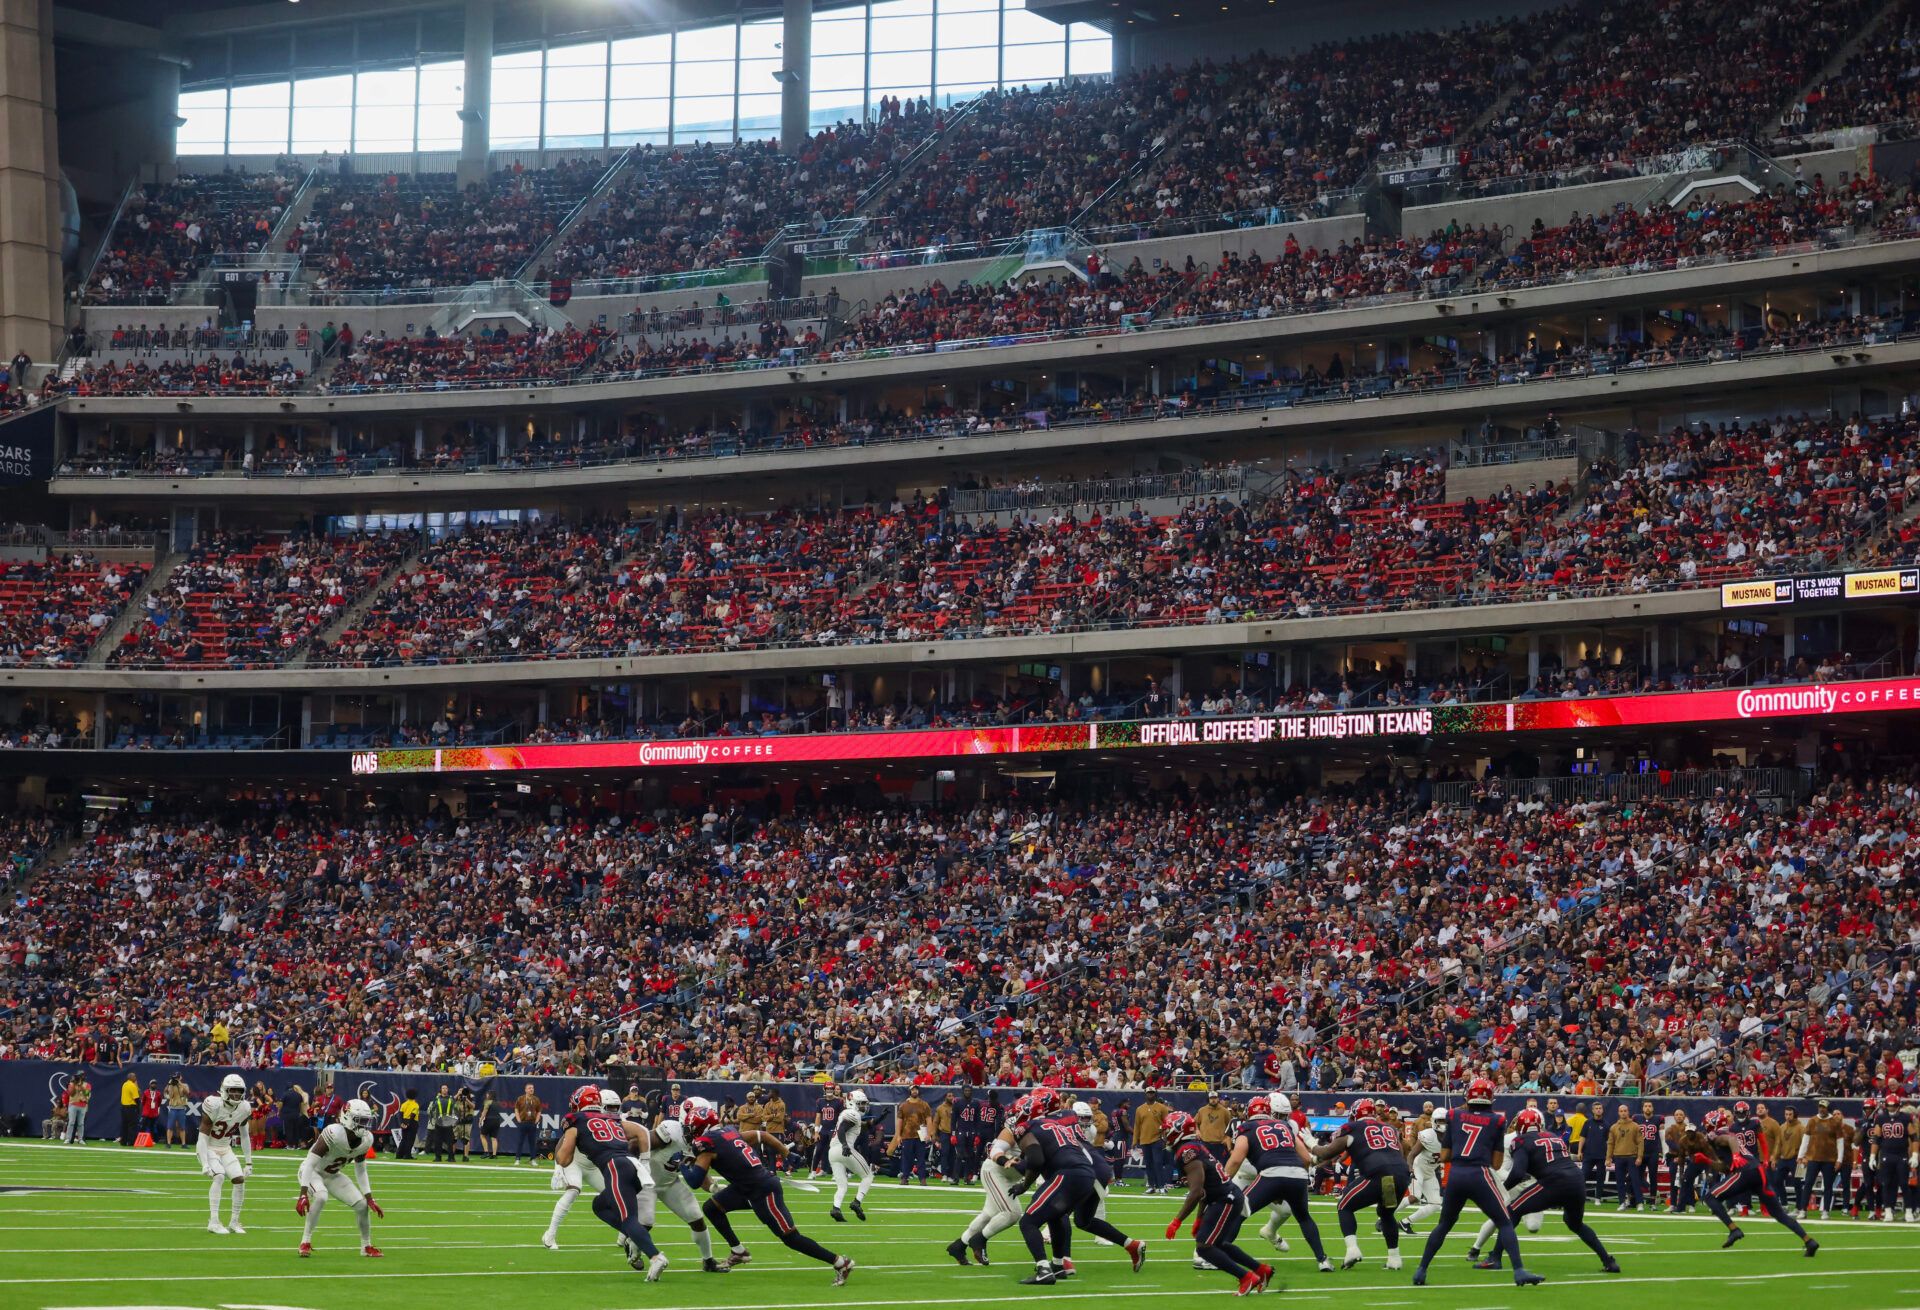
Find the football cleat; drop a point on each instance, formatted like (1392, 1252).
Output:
(738, 1258)
(841, 1268)
(712, 1266)
(1351, 1261)
(656, 1266)
(1527, 1278)
(979, 1249)
(1393, 1260)
(1137, 1252)
(371, 1252)
(548, 1240)
(306, 1249)
(1473, 1253)
(958, 1250)
(1492, 1262)
(1811, 1247)
(835, 1215)
(233, 1226)
(1042, 1276)
(1420, 1276)
(1610, 1266)
(215, 1226)
(859, 1211)
(1249, 1284)
(1326, 1266)
(1266, 1277)
(1733, 1235)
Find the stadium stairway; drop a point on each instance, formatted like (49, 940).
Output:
(877, 192)
(136, 610)
(349, 618)
(615, 171)
(297, 210)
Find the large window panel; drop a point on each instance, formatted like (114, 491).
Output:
(514, 127)
(703, 118)
(838, 73)
(576, 122)
(759, 116)
(759, 77)
(904, 68)
(762, 40)
(836, 35)
(516, 78)
(323, 113)
(639, 120)
(257, 123)
(976, 27)
(513, 118)
(704, 43)
(644, 50)
(205, 129)
(969, 67)
(706, 79)
(912, 32)
(1023, 28)
(577, 72)
(442, 87)
(642, 81)
(1089, 57)
(1034, 65)
(828, 108)
(383, 110)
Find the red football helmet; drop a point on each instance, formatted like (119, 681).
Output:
(1364, 1108)
(697, 1115)
(1178, 1127)
(1895, 1100)
(1741, 1109)
(1041, 1100)
(1716, 1121)
(1528, 1120)
(1480, 1089)
(586, 1097)
(1259, 1106)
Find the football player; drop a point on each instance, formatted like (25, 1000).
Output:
(1053, 1148)
(1530, 1222)
(1379, 1177)
(225, 1123)
(1471, 1144)
(734, 1154)
(1221, 1204)
(1000, 1177)
(670, 1154)
(619, 1150)
(1719, 1147)
(1894, 1159)
(1282, 1165)
(844, 1158)
(577, 1175)
(1424, 1159)
(323, 1176)
(1557, 1183)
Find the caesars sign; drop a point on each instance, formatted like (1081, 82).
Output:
(1872, 584)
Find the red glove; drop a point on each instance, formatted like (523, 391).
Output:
(374, 1206)
(1700, 1158)
(1173, 1230)
(1196, 1223)
(302, 1204)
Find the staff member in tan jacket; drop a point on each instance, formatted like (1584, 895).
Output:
(1215, 1117)
(1624, 1145)
(1793, 1131)
(1819, 1156)
(752, 1113)
(912, 1125)
(1147, 1122)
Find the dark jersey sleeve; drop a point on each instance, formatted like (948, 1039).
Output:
(599, 1136)
(734, 1158)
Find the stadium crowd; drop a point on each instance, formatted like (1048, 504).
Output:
(168, 232)
(1710, 944)
(53, 610)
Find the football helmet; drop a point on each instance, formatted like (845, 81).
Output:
(1439, 1116)
(669, 1133)
(1528, 1120)
(1716, 1121)
(697, 1114)
(610, 1100)
(857, 1101)
(1178, 1127)
(586, 1097)
(1259, 1107)
(1480, 1091)
(1083, 1112)
(1364, 1108)
(233, 1089)
(1741, 1109)
(359, 1115)
(1282, 1106)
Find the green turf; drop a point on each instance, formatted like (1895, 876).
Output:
(468, 1235)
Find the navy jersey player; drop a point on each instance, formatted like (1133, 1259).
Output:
(1379, 1177)
(734, 1154)
(1222, 1206)
(1894, 1158)
(1054, 1149)
(1543, 1175)
(1270, 1142)
(1720, 1148)
(1470, 1145)
(619, 1150)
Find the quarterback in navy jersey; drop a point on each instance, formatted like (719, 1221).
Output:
(1542, 1175)
(1470, 1145)
(1379, 1177)
(734, 1154)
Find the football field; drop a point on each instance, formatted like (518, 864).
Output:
(100, 1226)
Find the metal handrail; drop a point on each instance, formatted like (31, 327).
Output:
(598, 189)
(106, 239)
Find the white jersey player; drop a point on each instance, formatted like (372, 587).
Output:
(845, 1160)
(577, 1175)
(668, 1154)
(323, 1176)
(224, 1148)
(1426, 1168)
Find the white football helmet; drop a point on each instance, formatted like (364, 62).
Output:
(609, 1100)
(1082, 1111)
(359, 1114)
(668, 1132)
(857, 1100)
(233, 1089)
(1439, 1116)
(1282, 1107)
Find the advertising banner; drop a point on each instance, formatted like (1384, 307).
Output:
(1731, 705)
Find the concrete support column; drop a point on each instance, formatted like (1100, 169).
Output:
(419, 440)
(475, 112)
(32, 316)
(501, 447)
(796, 59)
